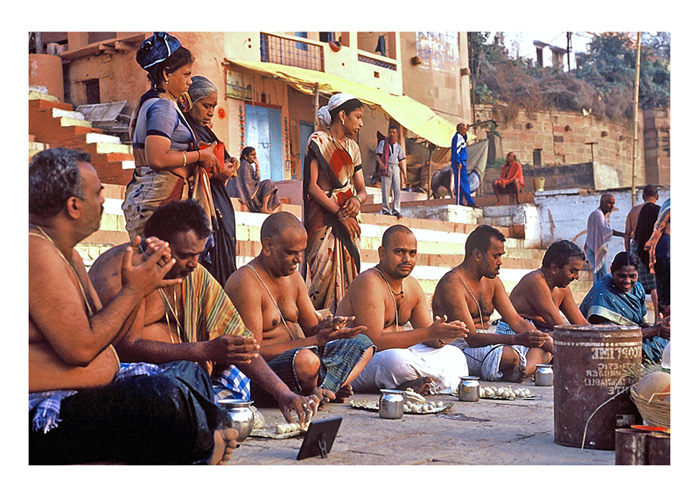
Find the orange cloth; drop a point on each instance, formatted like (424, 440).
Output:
(515, 173)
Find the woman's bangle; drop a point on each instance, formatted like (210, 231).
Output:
(199, 155)
(184, 158)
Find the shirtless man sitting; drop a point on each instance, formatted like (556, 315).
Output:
(83, 405)
(310, 356)
(194, 320)
(543, 295)
(470, 292)
(384, 299)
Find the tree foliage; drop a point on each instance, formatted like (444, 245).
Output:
(603, 85)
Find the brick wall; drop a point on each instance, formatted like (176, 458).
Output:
(562, 138)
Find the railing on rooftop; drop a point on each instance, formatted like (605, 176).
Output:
(376, 61)
(294, 52)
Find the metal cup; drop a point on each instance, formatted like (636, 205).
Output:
(468, 389)
(544, 375)
(391, 404)
(239, 416)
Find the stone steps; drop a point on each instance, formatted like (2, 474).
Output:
(56, 124)
(440, 243)
(435, 257)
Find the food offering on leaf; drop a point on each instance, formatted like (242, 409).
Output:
(505, 393)
(280, 431)
(413, 404)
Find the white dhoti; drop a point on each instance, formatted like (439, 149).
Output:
(392, 367)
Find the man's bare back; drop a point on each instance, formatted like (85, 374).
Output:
(156, 326)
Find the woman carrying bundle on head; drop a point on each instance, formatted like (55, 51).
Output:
(169, 166)
(334, 191)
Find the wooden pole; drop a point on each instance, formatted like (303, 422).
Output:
(635, 144)
(315, 107)
(430, 169)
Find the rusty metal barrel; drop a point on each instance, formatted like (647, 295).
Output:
(592, 365)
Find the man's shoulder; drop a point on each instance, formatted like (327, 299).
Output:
(532, 278)
(368, 277)
(412, 286)
(597, 213)
(448, 280)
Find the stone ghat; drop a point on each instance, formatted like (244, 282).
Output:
(440, 243)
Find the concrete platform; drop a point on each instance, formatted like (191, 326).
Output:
(488, 432)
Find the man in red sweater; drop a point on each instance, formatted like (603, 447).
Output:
(511, 180)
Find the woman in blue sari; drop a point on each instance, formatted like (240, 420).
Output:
(619, 298)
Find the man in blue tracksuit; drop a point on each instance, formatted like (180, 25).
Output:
(458, 160)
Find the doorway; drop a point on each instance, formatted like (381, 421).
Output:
(305, 130)
(263, 129)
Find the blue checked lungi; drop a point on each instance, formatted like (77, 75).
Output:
(230, 383)
(338, 358)
(48, 404)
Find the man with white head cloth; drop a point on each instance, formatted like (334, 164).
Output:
(334, 191)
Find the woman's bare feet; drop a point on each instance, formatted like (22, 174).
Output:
(420, 385)
(224, 443)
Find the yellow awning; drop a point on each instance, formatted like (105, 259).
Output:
(415, 116)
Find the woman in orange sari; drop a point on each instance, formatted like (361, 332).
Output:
(334, 191)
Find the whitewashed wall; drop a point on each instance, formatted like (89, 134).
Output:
(564, 214)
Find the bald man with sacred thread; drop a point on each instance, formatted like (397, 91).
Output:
(312, 356)
(386, 299)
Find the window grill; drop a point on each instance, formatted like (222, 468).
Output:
(284, 51)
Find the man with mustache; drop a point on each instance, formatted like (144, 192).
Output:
(470, 293)
(84, 405)
(309, 354)
(385, 298)
(194, 320)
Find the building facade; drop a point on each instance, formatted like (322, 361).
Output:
(270, 84)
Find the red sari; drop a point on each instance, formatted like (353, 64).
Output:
(333, 257)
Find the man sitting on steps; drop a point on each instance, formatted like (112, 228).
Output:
(384, 299)
(194, 320)
(470, 292)
(310, 356)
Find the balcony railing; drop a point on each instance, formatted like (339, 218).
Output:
(293, 52)
(376, 61)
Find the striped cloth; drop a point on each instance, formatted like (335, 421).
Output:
(48, 404)
(209, 313)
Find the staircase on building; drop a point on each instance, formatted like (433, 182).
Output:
(54, 124)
